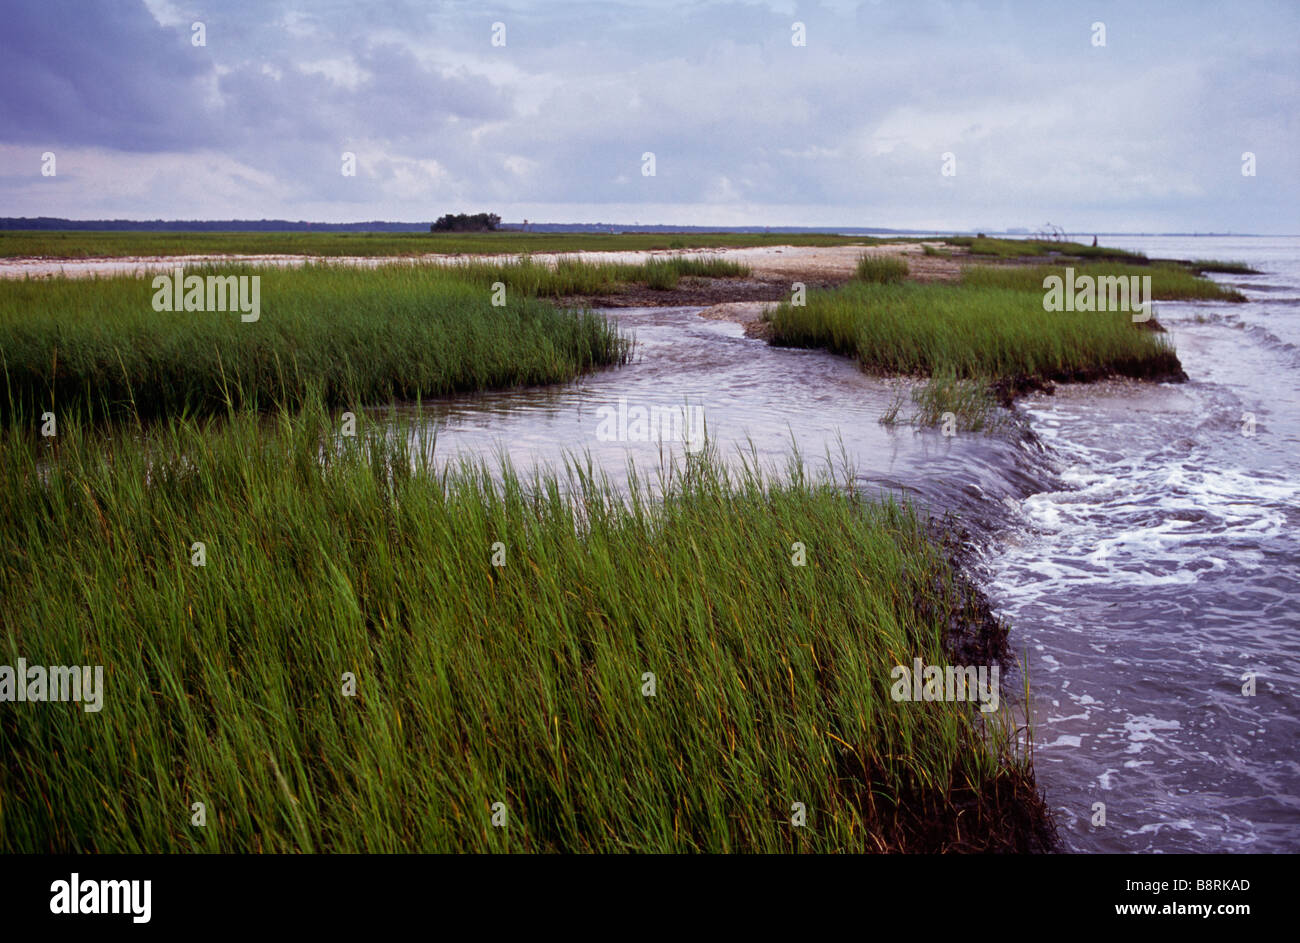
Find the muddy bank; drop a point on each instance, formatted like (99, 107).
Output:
(748, 314)
(774, 271)
(732, 295)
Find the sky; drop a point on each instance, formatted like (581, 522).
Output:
(546, 110)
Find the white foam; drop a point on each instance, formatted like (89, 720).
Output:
(1064, 740)
(1144, 729)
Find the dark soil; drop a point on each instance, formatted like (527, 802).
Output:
(1011, 814)
(692, 291)
(1166, 369)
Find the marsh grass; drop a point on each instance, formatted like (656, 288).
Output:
(361, 335)
(1200, 266)
(1170, 281)
(476, 684)
(881, 270)
(661, 276)
(588, 278)
(703, 267)
(1026, 248)
(356, 335)
(967, 404)
(970, 331)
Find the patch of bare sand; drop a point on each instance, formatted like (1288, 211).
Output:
(819, 266)
(839, 262)
(774, 270)
(746, 313)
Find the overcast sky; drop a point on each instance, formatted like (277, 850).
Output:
(1145, 133)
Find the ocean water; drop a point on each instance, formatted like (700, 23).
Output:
(1162, 574)
(1141, 544)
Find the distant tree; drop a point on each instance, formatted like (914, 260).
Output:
(462, 222)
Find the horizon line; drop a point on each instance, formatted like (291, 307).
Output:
(626, 227)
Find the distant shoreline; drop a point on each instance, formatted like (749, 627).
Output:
(62, 224)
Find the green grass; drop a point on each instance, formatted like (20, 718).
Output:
(1170, 281)
(945, 401)
(703, 267)
(575, 277)
(1200, 266)
(971, 331)
(475, 684)
(881, 269)
(82, 244)
(1001, 248)
(1028, 248)
(353, 335)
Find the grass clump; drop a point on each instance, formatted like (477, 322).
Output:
(356, 335)
(360, 335)
(1170, 281)
(971, 331)
(476, 684)
(698, 267)
(1201, 266)
(570, 277)
(661, 275)
(1000, 248)
(1027, 248)
(952, 404)
(881, 270)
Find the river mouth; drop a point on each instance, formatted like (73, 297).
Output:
(1141, 547)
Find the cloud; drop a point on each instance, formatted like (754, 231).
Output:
(78, 74)
(1146, 132)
